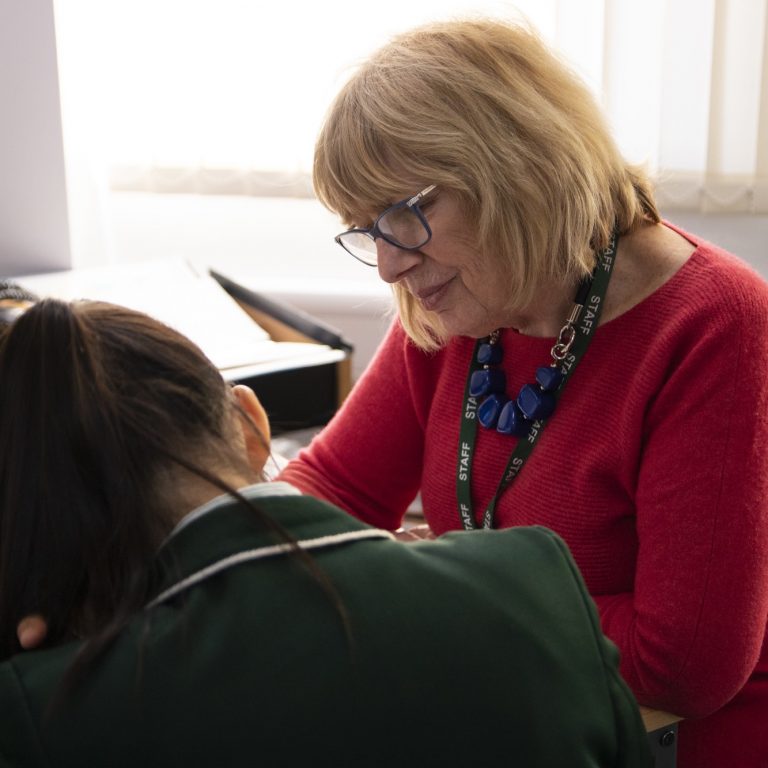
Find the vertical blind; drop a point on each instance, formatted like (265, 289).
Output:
(226, 96)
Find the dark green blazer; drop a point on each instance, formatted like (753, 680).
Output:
(479, 649)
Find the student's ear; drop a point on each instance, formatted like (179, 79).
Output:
(256, 442)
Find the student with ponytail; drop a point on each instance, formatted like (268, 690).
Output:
(198, 617)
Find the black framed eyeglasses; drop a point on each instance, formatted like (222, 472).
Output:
(402, 224)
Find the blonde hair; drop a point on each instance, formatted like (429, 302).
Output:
(486, 110)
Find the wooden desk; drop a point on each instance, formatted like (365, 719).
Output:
(662, 735)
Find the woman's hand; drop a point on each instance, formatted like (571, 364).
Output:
(414, 533)
(32, 631)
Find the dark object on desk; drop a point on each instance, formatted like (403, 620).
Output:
(663, 743)
(13, 301)
(300, 397)
(303, 326)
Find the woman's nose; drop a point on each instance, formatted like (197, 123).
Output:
(394, 262)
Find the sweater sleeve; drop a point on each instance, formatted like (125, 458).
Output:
(368, 459)
(691, 633)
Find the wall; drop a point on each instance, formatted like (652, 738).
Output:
(743, 234)
(34, 231)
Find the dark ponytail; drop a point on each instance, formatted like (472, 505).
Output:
(97, 404)
(94, 401)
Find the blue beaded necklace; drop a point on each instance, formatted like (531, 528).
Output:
(525, 415)
(536, 402)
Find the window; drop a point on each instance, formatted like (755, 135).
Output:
(225, 97)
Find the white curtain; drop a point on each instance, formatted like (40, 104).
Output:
(226, 96)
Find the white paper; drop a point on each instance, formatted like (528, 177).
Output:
(193, 304)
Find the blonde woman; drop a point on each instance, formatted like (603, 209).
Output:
(562, 357)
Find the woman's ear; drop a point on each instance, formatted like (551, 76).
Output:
(253, 415)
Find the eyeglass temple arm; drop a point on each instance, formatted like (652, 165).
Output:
(415, 199)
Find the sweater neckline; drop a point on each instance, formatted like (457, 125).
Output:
(534, 344)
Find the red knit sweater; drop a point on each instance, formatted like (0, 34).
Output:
(654, 469)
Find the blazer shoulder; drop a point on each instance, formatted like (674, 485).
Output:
(19, 738)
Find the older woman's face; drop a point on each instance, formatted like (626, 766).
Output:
(449, 275)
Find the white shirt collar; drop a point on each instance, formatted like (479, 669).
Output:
(255, 491)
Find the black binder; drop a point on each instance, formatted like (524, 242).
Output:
(300, 397)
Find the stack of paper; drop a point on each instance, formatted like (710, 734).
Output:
(192, 303)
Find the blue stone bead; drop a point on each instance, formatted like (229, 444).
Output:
(489, 354)
(478, 383)
(535, 403)
(489, 410)
(549, 378)
(512, 422)
(487, 381)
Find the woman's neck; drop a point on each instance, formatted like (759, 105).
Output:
(646, 259)
(547, 313)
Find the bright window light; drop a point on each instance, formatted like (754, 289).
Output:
(226, 97)
(234, 83)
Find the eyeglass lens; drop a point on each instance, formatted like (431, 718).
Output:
(404, 226)
(400, 226)
(361, 245)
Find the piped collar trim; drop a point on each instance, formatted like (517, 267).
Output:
(255, 491)
(260, 553)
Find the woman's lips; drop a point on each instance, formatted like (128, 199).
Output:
(431, 297)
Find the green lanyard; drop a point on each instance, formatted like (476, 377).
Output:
(570, 348)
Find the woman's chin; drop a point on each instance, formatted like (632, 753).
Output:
(457, 327)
